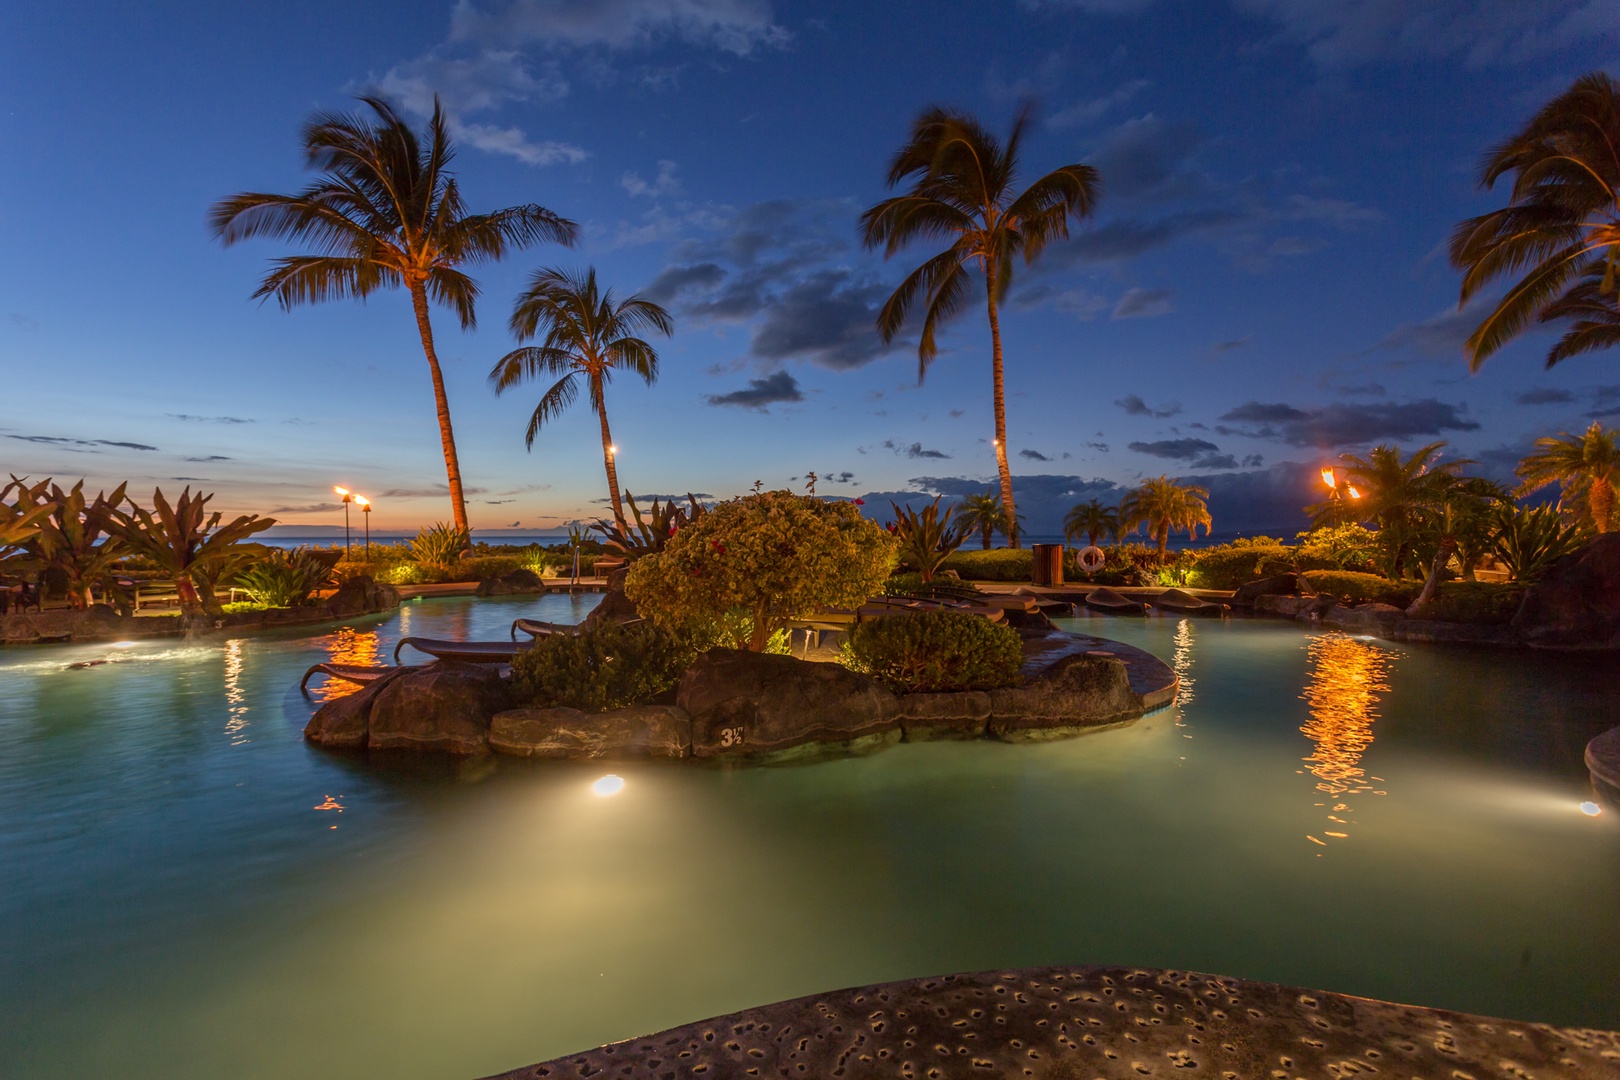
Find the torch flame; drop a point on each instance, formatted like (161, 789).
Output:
(1327, 478)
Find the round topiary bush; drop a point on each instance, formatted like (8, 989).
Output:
(936, 652)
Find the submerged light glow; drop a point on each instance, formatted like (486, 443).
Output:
(608, 785)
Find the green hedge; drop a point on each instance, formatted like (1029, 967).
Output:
(1363, 588)
(935, 651)
(997, 564)
(606, 667)
(1228, 566)
(1486, 603)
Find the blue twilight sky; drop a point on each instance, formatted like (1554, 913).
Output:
(1263, 287)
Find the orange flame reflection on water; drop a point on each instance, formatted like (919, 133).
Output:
(1347, 679)
(361, 648)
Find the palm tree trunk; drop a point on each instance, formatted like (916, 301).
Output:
(452, 464)
(608, 455)
(1447, 547)
(1001, 416)
(1164, 539)
(1601, 500)
(984, 537)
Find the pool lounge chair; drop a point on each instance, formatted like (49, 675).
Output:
(355, 673)
(467, 652)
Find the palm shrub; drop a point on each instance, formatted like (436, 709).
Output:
(1092, 520)
(606, 666)
(935, 652)
(927, 538)
(1164, 506)
(20, 517)
(771, 556)
(1585, 467)
(72, 544)
(440, 545)
(1530, 540)
(984, 515)
(190, 545)
(283, 579)
(651, 533)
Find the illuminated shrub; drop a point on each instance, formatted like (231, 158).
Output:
(767, 557)
(935, 651)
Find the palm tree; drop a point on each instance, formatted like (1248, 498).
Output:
(1092, 519)
(1560, 229)
(1454, 512)
(1586, 468)
(587, 336)
(1165, 506)
(1389, 490)
(984, 515)
(385, 212)
(963, 191)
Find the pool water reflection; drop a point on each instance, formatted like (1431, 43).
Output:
(188, 890)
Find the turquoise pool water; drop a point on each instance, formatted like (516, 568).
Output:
(180, 895)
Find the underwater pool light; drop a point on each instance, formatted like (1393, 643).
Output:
(123, 644)
(608, 785)
(1591, 809)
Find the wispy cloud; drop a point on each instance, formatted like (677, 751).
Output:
(65, 442)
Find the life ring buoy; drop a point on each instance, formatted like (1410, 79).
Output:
(1091, 558)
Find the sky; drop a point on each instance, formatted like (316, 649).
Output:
(1262, 287)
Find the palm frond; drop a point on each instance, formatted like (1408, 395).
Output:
(553, 403)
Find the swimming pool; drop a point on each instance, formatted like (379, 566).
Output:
(188, 890)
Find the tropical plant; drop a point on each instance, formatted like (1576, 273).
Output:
(935, 652)
(1345, 547)
(439, 545)
(73, 539)
(1390, 490)
(649, 534)
(587, 338)
(1560, 229)
(962, 191)
(999, 564)
(1092, 520)
(1529, 540)
(1457, 513)
(187, 543)
(385, 212)
(1162, 506)
(983, 514)
(769, 557)
(605, 666)
(283, 579)
(927, 539)
(21, 517)
(1585, 467)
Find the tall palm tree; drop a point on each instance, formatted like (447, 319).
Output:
(984, 515)
(385, 212)
(1586, 468)
(1091, 519)
(1165, 506)
(962, 191)
(587, 337)
(1560, 229)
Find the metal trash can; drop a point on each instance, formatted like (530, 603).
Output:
(1048, 568)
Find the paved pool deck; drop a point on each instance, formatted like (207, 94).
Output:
(1094, 1023)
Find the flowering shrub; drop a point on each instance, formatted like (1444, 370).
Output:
(768, 556)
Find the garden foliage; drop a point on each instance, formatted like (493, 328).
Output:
(439, 545)
(1356, 588)
(283, 579)
(768, 556)
(935, 651)
(607, 666)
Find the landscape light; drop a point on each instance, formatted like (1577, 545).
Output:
(347, 499)
(365, 508)
(613, 448)
(608, 785)
(1591, 809)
